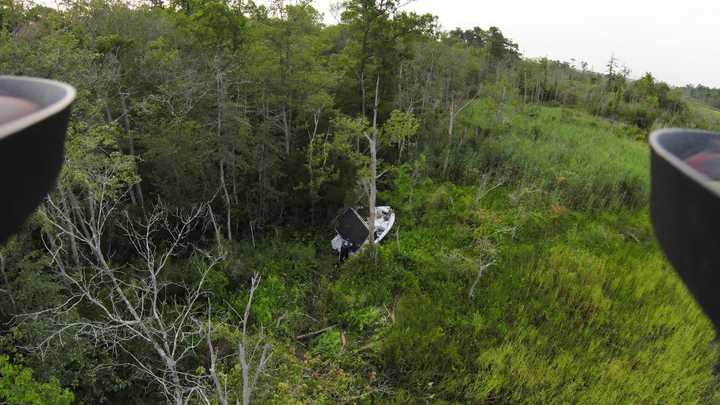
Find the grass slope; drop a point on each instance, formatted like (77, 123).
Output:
(708, 114)
(592, 163)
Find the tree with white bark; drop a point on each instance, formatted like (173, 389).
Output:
(253, 357)
(137, 311)
(400, 127)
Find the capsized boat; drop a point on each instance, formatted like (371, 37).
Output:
(353, 230)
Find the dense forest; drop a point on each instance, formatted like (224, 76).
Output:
(184, 255)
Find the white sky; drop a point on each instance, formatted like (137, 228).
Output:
(678, 41)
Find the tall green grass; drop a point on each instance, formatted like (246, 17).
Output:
(707, 116)
(592, 162)
(578, 307)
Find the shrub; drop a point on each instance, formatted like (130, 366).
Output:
(18, 387)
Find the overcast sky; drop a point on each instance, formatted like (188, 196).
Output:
(678, 41)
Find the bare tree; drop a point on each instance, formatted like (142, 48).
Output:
(454, 109)
(220, 100)
(136, 313)
(372, 138)
(481, 266)
(252, 366)
(317, 154)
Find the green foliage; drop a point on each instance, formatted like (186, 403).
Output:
(17, 387)
(215, 24)
(522, 268)
(704, 116)
(570, 304)
(399, 129)
(704, 94)
(382, 37)
(590, 161)
(329, 344)
(94, 161)
(645, 103)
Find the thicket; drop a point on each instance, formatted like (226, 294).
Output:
(184, 255)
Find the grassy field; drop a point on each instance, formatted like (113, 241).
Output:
(567, 301)
(710, 115)
(592, 163)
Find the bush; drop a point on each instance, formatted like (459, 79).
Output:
(18, 387)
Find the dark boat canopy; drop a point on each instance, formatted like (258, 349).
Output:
(352, 228)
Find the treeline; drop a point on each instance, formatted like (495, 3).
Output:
(707, 95)
(202, 127)
(244, 103)
(251, 106)
(645, 103)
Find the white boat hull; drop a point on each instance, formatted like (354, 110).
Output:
(384, 221)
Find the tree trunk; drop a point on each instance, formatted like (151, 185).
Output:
(451, 122)
(363, 61)
(372, 196)
(68, 210)
(228, 203)
(228, 216)
(6, 280)
(286, 130)
(363, 95)
(136, 189)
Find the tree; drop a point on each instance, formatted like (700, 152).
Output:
(500, 48)
(253, 362)
(456, 106)
(400, 127)
(18, 387)
(441, 78)
(141, 312)
(318, 160)
(369, 19)
(132, 312)
(372, 138)
(475, 37)
(382, 37)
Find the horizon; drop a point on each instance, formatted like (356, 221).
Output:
(565, 31)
